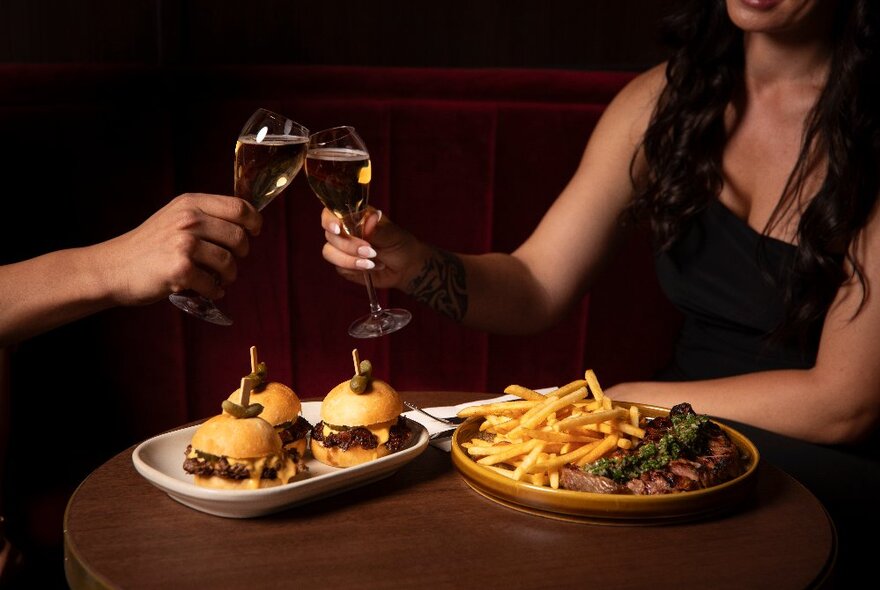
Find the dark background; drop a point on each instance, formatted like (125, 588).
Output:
(574, 34)
(553, 34)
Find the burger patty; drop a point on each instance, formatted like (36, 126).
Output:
(294, 430)
(221, 467)
(346, 438)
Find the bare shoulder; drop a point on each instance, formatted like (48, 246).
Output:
(854, 296)
(631, 110)
(866, 247)
(647, 86)
(642, 92)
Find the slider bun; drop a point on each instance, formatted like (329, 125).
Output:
(343, 407)
(240, 438)
(280, 403)
(224, 483)
(354, 456)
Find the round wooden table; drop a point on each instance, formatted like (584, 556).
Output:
(423, 526)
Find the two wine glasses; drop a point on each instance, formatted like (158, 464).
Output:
(269, 152)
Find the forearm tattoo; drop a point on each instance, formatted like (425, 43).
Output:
(442, 285)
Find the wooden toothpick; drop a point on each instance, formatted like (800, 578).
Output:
(357, 361)
(245, 392)
(253, 359)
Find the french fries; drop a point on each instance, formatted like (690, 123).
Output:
(531, 439)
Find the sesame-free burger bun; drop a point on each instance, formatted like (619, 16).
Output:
(359, 427)
(242, 438)
(224, 445)
(280, 403)
(346, 458)
(343, 407)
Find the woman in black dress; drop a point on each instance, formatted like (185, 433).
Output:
(754, 155)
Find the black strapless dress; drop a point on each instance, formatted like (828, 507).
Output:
(730, 301)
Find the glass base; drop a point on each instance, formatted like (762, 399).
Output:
(200, 307)
(379, 324)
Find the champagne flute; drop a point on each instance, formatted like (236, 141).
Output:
(269, 153)
(338, 170)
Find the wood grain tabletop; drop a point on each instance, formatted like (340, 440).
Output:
(424, 526)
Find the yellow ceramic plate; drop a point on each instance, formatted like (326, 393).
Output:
(606, 508)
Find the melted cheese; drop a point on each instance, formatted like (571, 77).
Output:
(284, 467)
(382, 430)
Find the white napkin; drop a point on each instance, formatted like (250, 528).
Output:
(435, 426)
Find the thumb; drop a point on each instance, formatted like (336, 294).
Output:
(372, 221)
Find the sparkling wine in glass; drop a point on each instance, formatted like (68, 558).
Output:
(269, 153)
(338, 170)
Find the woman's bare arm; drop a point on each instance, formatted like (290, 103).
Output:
(531, 288)
(835, 402)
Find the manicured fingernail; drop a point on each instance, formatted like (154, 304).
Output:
(365, 264)
(334, 227)
(366, 252)
(378, 215)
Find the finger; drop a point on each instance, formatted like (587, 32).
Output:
(330, 222)
(227, 235)
(202, 282)
(342, 260)
(350, 245)
(218, 262)
(187, 275)
(232, 209)
(372, 220)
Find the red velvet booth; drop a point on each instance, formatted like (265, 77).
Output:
(466, 159)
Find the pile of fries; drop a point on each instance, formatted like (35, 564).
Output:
(531, 439)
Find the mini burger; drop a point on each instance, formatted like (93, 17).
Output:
(360, 421)
(281, 409)
(238, 454)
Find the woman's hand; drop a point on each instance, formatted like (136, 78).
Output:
(191, 243)
(391, 254)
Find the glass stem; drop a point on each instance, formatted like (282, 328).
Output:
(375, 308)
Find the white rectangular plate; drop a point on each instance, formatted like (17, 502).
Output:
(160, 461)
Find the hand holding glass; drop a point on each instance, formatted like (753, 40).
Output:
(269, 153)
(339, 172)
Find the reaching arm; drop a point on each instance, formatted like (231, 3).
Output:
(531, 288)
(191, 243)
(835, 402)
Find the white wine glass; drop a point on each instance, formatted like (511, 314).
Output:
(269, 153)
(339, 172)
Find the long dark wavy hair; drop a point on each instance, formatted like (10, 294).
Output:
(684, 142)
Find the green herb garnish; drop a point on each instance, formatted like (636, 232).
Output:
(685, 436)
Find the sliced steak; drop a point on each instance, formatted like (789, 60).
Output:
(572, 477)
(706, 458)
(722, 460)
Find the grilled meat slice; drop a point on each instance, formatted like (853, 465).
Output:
(704, 456)
(572, 477)
(722, 460)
